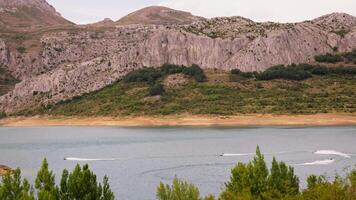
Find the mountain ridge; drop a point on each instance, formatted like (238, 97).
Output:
(70, 62)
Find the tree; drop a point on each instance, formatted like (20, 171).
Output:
(82, 184)
(13, 187)
(282, 180)
(180, 190)
(255, 181)
(45, 184)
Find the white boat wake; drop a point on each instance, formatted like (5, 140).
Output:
(236, 154)
(318, 162)
(89, 159)
(332, 152)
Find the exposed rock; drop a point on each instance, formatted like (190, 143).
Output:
(4, 170)
(70, 63)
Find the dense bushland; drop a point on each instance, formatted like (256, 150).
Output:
(348, 57)
(152, 76)
(295, 72)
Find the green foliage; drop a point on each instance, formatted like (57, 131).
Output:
(315, 95)
(329, 58)
(180, 190)
(244, 74)
(350, 56)
(149, 75)
(196, 72)
(13, 187)
(2, 115)
(255, 181)
(320, 70)
(172, 69)
(45, 184)
(290, 72)
(81, 184)
(156, 89)
(21, 49)
(341, 70)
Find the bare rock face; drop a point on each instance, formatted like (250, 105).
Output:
(71, 63)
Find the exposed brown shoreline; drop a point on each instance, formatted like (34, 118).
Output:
(337, 119)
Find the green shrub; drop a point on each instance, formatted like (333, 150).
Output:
(196, 72)
(291, 72)
(329, 58)
(244, 74)
(350, 56)
(320, 70)
(341, 70)
(172, 69)
(2, 115)
(21, 49)
(149, 75)
(156, 89)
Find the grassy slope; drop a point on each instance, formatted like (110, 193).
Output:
(220, 96)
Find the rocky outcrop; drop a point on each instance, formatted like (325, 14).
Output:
(4, 170)
(71, 63)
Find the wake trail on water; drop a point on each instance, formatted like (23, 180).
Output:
(318, 162)
(332, 152)
(252, 154)
(89, 159)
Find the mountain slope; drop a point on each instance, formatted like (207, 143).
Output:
(73, 62)
(28, 15)
(158, 15)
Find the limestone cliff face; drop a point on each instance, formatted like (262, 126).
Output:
(70, 63)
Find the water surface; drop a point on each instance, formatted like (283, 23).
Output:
(137, 159)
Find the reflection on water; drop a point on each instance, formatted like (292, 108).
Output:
(139, 158)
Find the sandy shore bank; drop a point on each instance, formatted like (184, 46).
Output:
(186, 120)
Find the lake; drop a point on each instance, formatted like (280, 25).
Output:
(137, 159)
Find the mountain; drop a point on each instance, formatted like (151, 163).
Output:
(28, 15)
(158, 15)
(66, 63)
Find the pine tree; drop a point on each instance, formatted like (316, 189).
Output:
(180, 190)
(45, 183)
(13, 187)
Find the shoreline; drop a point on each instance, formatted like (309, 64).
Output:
(338, 119)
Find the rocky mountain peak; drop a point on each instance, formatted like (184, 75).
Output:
(158, 15)
(39, 4)
(28, 15)
(336, 21)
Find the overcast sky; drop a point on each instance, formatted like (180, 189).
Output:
(87, 11)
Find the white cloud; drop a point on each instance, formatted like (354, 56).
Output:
(264, 10)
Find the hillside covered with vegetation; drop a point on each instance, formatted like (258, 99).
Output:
(171, 89)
